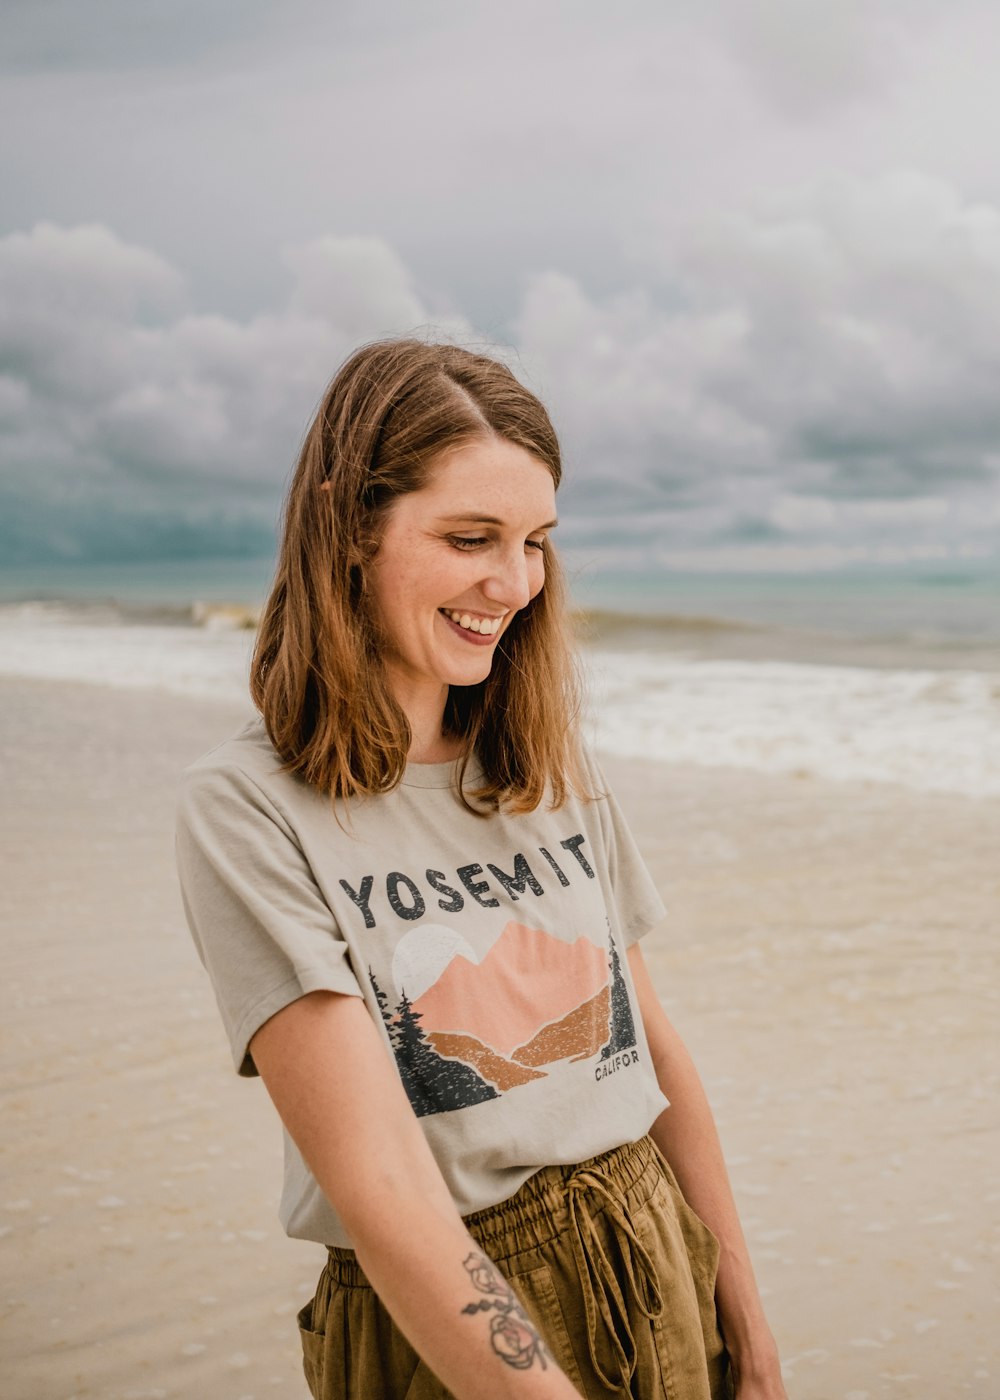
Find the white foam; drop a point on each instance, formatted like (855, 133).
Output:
(929, 730)
(47, 644)
(935, 731)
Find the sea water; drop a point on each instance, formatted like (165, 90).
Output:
(887, 676)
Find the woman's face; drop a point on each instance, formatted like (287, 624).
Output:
(456, 561)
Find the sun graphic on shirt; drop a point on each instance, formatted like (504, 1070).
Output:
(422, 956)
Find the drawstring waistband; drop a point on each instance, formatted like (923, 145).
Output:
(601, 1291)
(570, 1199)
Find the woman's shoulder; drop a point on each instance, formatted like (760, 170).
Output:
(591, 772)
(245, 767)
(247, 750)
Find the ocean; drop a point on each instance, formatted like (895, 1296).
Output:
(887, 675)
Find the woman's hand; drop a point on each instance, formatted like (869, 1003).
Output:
(755, 1388)
(759, 1377)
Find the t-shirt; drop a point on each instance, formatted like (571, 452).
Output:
(490, 952)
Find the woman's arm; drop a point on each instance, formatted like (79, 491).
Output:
(686, 1135)
(341, 1099)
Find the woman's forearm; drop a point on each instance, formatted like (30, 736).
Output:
(454, 1306)
(326, 1069)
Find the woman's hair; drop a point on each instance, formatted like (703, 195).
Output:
(317, 675)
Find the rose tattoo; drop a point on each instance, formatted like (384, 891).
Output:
(513, 1336)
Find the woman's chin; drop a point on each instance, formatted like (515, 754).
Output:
(470, 671)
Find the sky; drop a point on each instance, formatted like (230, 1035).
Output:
(747, 251)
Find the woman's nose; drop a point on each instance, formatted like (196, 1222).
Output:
(509, 583)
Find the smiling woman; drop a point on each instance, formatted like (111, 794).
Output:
(410, 575)
(420, 909)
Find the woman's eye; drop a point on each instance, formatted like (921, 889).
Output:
(470, 542)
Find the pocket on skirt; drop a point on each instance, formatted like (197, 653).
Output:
(702, 1246)
(352, 1350)
(312, 1351)
(537, 1291)
(685, 1253)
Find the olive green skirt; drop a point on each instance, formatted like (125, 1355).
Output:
(613, 1268)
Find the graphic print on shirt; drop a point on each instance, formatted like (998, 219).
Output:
(464, 1031)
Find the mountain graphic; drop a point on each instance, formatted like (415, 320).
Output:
(534, 998)
(577, 1036)
(501, 1072)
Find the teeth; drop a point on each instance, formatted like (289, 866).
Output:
(485, 626)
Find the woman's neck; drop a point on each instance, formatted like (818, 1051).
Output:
(444, 749)
(424, 712)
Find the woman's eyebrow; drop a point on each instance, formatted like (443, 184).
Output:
(473, 519)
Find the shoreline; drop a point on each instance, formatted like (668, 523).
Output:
(926, 730)
(681, 635)
(829, 956)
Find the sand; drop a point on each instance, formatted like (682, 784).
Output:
(830, 957)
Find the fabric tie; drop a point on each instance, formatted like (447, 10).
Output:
(599, 1282)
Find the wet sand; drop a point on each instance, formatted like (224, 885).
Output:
(830, 956)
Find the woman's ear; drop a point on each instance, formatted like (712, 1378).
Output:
(324, 486)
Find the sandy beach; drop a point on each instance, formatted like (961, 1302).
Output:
(830, 956)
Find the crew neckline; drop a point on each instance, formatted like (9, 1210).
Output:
(440, 775)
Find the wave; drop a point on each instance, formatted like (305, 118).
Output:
(929, 730)
(213, 614)
(222, 617)
(130, 649)
(926, 728)
(598, 623)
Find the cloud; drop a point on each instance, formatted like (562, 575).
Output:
(60, 35)
(130, 422)
(630, 385)
(818, 370)
(808, 57)
(872, 351)
(353, 283)
(572, 136)
(840, 345)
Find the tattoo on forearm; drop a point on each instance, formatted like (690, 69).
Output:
(512, 1333)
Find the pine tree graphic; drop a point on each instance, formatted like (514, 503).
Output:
(383, 1003)
(432, 1083)
(620, 1022)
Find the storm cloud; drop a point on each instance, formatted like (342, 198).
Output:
(756, 281)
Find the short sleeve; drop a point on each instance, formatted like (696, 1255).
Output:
(261, 926)
(636, 898)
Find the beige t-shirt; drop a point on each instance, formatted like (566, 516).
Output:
(489, 951)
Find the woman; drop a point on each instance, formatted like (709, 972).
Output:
(420, 910)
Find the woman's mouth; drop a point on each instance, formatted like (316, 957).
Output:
(472, 627)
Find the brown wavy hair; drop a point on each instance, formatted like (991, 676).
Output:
(317, 676)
